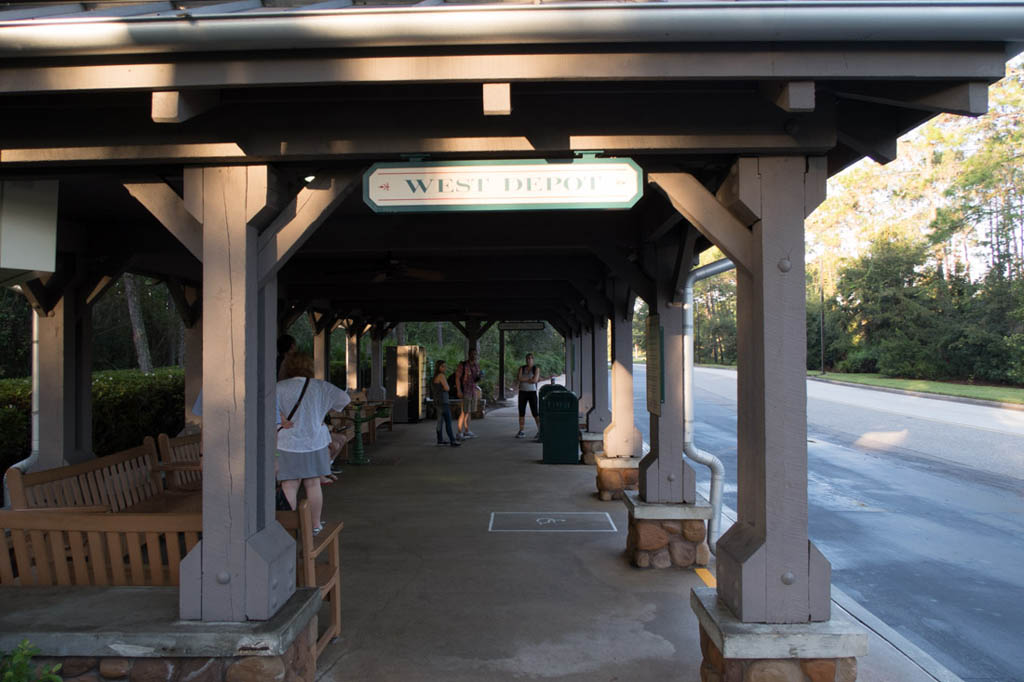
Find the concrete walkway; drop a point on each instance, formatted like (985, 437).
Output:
(429, 593)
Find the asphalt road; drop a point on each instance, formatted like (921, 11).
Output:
(919, 505)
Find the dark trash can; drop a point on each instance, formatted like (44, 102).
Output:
(560, 434)
(544, 391)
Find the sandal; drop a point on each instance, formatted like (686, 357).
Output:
(328, 479)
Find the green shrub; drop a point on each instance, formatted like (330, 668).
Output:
(15, 421)
(17, 666)
(127, 406)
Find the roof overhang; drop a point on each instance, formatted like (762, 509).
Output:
(432, 26)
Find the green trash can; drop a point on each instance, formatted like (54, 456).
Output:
(560, 436)
(544, 391)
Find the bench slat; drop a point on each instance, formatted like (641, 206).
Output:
(78, 557)
(153, 554)
(6, 567)
(135, 559)
(98, 559)
(22, 557)
(174, 556)
(42, 561)
(60, 557)
(116, 554)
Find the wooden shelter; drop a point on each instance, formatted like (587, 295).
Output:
(223, 148)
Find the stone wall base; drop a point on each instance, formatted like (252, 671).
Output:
(716, 668)
(655, 543)
(297, 664)
(615, 475)
(591, 445)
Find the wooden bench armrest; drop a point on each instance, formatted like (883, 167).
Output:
(324, 538)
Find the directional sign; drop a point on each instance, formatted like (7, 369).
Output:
(514, 185)
(521, 326)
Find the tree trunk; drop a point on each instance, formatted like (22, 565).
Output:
(440, 334)
(400, 333)
(131, 293)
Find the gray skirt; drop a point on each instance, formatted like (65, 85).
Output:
(296, 465)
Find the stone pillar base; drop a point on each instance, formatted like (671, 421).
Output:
(134, 634)
(666, 535)
(296, 664)
(616, 475)
(591, 445)
(748, 652)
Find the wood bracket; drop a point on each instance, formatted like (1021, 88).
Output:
(190, 311)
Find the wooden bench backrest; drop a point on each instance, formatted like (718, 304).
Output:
(181, 449)
(118, 481)
(46, 548)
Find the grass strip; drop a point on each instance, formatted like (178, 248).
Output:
(1002, 394)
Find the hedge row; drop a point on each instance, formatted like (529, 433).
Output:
(127, 406)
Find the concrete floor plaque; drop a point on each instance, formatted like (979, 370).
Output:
(551, 522)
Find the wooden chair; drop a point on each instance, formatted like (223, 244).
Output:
(111, 483)
(319, 563)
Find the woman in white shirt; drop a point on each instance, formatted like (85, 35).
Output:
(302, 450)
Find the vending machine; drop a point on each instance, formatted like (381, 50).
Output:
(404, 371)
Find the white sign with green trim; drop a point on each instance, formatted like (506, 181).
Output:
(514, 185)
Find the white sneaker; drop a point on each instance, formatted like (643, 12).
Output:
(521, 434)
(469, 434)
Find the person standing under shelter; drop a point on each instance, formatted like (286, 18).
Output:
(528, 378)
(303, 452)
(466, 377)
(439, 391)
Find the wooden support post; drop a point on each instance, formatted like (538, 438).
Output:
(376, 390)
(600, 416)
(243, 569)
(64, 376)
(586, 370)
(768, 571)
(665, 477)
(352, 334)
(572, 377)
(322, 324)
(621, 437)
(499, 389)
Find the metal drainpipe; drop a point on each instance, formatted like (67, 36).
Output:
(693, 452)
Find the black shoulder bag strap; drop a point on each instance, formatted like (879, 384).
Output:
(297, 403)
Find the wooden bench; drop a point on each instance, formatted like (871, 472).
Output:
(183, 456)
(42, 548)
(45, 547)
(383, 415)
(112, 483)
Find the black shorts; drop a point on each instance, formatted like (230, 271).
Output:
(527, 397)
